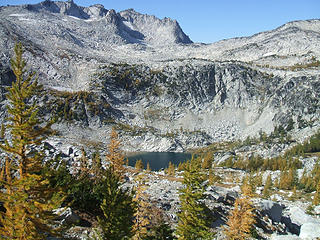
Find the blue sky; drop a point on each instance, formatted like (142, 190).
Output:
(212, 20)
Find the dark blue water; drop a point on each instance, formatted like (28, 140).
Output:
(159, 160)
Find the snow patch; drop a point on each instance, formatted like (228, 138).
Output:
(25, 19)
(62, 89)
(129, 25)
(17, 15)
(74, 17)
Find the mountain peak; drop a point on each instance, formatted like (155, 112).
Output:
(65, 8)
(306, 25)
(128, 26)
(154, 29)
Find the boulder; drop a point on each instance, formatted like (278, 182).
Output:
(310, 231)
(272, 209)
(317, 210)
(284, 237)
(221, 195)
(67, 216)
(299, 217)
(295, 217)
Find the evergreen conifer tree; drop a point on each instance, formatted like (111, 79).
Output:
(267, 187)
(171, 169)
(294, 195)
(96, 168)
(207, 161)
(118, 209)
(28, 199)
(148, 167)
(194, 221)
(211, 177)
(161, 231)
(139, 165)
(248, 188)
(316, 198)
(84, 170)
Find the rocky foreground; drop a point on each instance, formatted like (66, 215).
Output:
(279, 218)
(285, 214)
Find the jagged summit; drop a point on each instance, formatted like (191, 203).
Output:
(119, 28)
(154, 28)
(69, 8)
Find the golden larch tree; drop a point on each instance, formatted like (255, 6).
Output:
(143, 215)
(28, 199)
(242, 218)
(115, 156)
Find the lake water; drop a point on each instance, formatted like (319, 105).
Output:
(158, 160)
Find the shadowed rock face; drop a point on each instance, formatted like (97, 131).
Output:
(145, 73)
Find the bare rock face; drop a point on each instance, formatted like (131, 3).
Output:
(272, 209)
(155, 30)
(163, 92)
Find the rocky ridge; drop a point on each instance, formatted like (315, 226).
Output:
(163, 92)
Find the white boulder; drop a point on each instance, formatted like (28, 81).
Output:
(310, 231)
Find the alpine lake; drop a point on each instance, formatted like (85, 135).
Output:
(158, 160)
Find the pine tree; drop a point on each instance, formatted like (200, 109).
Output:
(288, 179)
(171, 169)
(294, 195)
(139, 165)
(213, 178)
(240, 220)
(161, 231)
(247, 188)
(194, 221)
(28, 199)
(118, 209)
(316, 197)
(258, 179)
(96, 168)
(207, 161)
(267, 187)
(84, 169)
(143, 213)
(148, 167)
(115, 155)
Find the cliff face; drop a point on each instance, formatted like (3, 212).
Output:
(144, 76)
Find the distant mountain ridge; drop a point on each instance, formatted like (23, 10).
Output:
(139, 27)
(144, 75)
